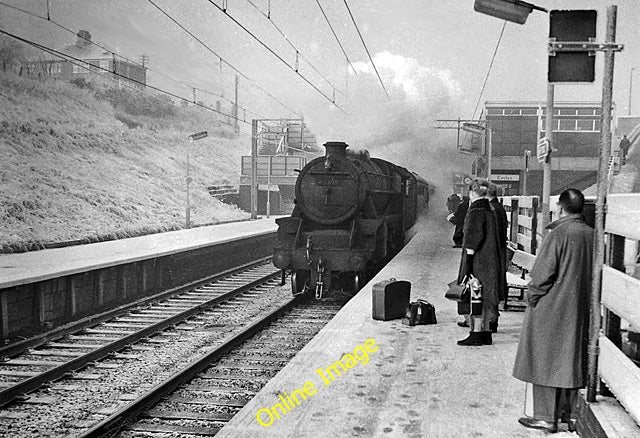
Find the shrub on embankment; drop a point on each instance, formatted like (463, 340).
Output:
(91, 163)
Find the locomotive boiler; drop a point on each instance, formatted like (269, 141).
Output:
(350, 216)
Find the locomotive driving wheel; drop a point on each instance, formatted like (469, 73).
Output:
(299, 282)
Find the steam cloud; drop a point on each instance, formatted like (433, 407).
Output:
(399, 129)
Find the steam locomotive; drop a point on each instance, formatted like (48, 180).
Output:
(350, 217)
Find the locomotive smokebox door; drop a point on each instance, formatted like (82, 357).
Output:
(390, 299)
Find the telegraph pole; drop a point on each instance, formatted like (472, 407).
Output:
(254, 169)
(599, 247)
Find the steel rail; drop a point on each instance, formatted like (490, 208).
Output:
(12, 393)
(156, 394)
(41, 339)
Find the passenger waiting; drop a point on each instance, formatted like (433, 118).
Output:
(481, 258)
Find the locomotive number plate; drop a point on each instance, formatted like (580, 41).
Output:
(329, 182)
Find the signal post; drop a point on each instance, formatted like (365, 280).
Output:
(193, 137)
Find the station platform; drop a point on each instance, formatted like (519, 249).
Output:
(30, 267)
(418, 383)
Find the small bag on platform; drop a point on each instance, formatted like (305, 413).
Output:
(420, 312)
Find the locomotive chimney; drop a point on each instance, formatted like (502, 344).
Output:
(337, 148)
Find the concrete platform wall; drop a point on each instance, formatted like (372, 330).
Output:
(33, 308)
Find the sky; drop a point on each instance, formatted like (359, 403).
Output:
(432, 56)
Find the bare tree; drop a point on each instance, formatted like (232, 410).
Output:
(46, 62)
(11, 51)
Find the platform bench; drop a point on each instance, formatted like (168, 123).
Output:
(522, 261)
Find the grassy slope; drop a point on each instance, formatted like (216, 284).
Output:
(70, 170)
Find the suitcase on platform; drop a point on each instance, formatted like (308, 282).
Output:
(390, 299)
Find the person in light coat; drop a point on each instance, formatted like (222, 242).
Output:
(552, 351)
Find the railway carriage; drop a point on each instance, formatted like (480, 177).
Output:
(351, 216)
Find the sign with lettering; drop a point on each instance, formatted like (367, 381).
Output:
(505, 177)
(329, 182)
(543, 149)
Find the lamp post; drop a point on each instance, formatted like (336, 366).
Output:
(546, 166)
(630, 88)
(516, 11)
(525, 174)
(187, 210)
(489, 153)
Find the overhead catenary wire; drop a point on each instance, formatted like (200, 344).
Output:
(336, 37)
(263, 44)
(366, 48)
(191, 86)
(298, 52)
(486, 78)
(222, 60)
(82, 63)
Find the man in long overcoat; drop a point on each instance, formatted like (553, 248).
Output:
(552, 352)
(481, 258)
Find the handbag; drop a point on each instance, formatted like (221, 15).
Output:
(420, 312)
(458, 291)
(475, 298)
(472, 303)
(426, 313)
(467, 294)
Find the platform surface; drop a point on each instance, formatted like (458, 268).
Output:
(29, 267)
(419, 383)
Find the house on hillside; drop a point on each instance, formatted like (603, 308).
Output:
(85, 60)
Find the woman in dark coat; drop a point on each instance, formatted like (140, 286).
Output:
(481, 258)
(503, 226)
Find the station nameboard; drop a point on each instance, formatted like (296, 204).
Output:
(505, 177)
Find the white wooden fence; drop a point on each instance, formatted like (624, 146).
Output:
(620, 298)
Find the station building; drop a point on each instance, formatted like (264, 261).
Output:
(515, 129)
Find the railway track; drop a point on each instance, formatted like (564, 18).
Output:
(202, 397)
(53, 359)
